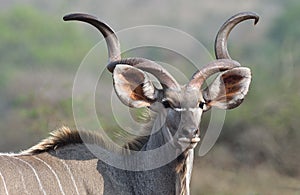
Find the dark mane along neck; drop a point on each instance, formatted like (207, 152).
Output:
(65, 136)
(181, 170)
(62, 137)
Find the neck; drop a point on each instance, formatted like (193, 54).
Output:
(181, 164)
(160, 134)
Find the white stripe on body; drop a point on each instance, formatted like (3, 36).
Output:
(23, 182)
(8, 158)
(35, 173)
(3, 180)
(71, 175)
(58, 181)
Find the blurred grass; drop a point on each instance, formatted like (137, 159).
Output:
(30, 40)
(258, 151)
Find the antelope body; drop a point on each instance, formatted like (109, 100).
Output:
(64, 163)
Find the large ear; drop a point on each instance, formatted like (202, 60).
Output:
(228, 90)
(133, 86)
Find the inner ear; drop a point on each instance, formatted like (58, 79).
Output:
(228, 90)
(133, 86)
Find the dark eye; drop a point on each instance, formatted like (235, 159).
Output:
(201, 104)
(166, 103)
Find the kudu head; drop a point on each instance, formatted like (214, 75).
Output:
(182, 105)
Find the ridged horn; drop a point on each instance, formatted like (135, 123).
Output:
(221, 50)
(113, 45)
(164, 77)
(114, 52)
(223, 61)
(211, 68)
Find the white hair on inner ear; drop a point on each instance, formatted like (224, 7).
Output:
(148, 88)
(138, 104)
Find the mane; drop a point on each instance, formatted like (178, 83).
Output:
(65, 136)
(181, 169)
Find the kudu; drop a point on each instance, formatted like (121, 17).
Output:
(63, 164)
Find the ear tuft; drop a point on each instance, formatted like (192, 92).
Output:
(229, 89)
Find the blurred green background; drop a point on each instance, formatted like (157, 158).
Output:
(258, 151)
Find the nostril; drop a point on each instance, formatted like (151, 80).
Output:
(195, 132)
(191, 133)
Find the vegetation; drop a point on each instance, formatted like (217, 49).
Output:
(39, 60)
(32, 48)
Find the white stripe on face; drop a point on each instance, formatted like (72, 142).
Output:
(186, 109)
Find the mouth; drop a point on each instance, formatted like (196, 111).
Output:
(194, 140)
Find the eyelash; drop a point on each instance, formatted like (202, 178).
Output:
(201, 105)
(166, 104)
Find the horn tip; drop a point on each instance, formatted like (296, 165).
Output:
(254, 16)
(68, 17)
(78, 16)
(256, 19)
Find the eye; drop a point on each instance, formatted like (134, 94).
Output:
(166, 103)
(201, 104)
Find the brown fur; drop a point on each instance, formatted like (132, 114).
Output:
(65, 136)
(181, 169)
